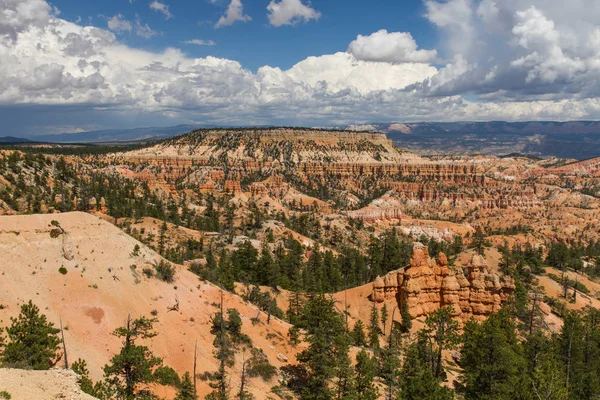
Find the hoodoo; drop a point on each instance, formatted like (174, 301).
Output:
(428, 284)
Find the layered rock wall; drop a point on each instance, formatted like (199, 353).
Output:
(428, 284)
(494, 196)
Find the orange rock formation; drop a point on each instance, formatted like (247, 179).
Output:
(428, 284)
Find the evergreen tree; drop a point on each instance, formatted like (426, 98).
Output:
(135, 363)
(359, 338)
(440, 333)
(491, 358)
(558, 255)
(296, 305)
(162, 238)
(366, 370)
(374, 329)
(345, 380)
(314, 273)
(186, 389)
(579, 350)
(267, 269)
(375, 256)
(478, 241)
(224, 353)
(332, 273)
(291, 263)
(406, 324)
(384, 317)
(243, 263)
(320, 360)
(389, 363)
(98, 389)
(32, 341)
(225, 278)
(416, 378)
(243, 394)
(395, 254)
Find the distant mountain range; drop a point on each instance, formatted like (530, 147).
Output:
(13, 140)
(574, 139)
(115, 135)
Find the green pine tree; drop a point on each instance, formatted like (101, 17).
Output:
(358, 335)
(478, 242)
(135, 364)
(491, 358)
(440, 333)
(374, 329)
(186, 389)
(320, 360)
(32, 341)
(406, 324)
(366, 370)
(417, 381)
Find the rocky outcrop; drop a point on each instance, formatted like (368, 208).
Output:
(428, 284)
(374, 214)
(231, 186)
(52, 384)
(490, 196)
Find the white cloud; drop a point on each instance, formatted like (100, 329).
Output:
(235, 12)
(519, 49)
(161, 8)
(384, 46)
(535, 64)
(119, 24)
(341, 71)
(143, 30)
(200, 42)
(547, 61)
(455, 16)
(290, 12)
(18, 15)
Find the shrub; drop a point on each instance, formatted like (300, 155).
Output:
(136, 250)
(62, 270)
(5, 395)
(165, 271)
(149, 272)
(258, 365)
(263, 300)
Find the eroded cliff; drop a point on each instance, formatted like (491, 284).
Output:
(428, 284)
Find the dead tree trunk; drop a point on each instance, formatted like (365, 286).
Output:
(62, 333)
(195, 359)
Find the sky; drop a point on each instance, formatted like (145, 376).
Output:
(73, 65)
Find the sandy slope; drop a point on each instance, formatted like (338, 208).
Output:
(92, 303)
(30, 385)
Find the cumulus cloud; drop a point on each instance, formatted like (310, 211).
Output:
(546, 61)
(161, 8)
(384, 46)
(235, 12)
(119, 24)
(455, 17)
(18, 15)
(535, 64)
(290, 12)
(529, 50)
(200, 42)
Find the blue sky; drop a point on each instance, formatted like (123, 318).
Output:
(255, 43)
(74, 65)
